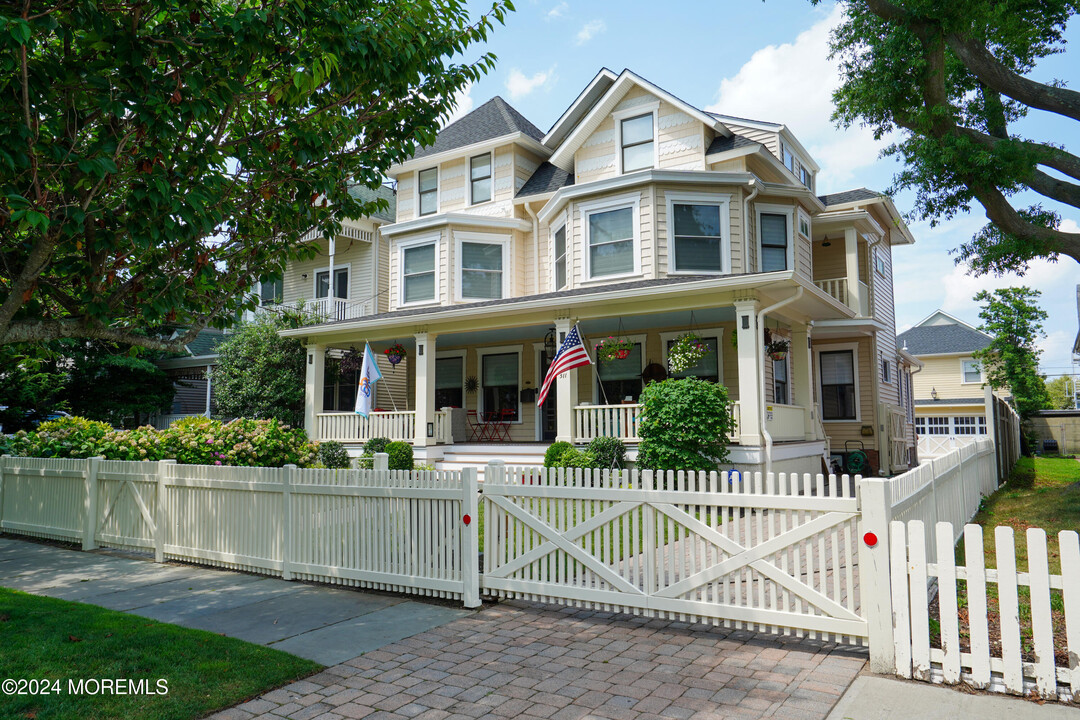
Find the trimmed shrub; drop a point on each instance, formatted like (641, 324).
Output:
(554, 451)
(366, 461)
(574, 458)
(333, 454)
(66, 437)
(684, 425)
(401, 455)
(610, 452)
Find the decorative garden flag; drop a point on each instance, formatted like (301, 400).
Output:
(369, 375)
(572, 354)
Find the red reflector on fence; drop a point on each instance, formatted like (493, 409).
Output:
(870, 539)
(467, 519)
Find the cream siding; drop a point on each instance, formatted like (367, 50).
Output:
(575, 236)
(945, 374)
(840, 432)
(768, 138)
(406, 197)
(299, 280)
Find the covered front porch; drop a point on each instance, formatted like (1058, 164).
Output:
(466, 383)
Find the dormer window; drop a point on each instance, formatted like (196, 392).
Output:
(789, 157)
(429, 191)
(480, 179)
(638, 144)
(807, 178)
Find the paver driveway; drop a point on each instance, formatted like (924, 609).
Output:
(518, 660)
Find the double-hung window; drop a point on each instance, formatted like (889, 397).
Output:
(708, 367)
(271, 291)
(480, 179)
(612, 241)
(789, 157)
(972, 372)
(429, 191)
(341, 283)
(780, 381)
(620, 380)
(418, 273)
(559, 240)
(774, 241)
(697, 241)
(481, 270)
(449, 372)
(499, 385)
(838, 399)
(807, 178)
(638, 144)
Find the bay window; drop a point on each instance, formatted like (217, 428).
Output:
(698, 229)
(611, 237)
(559, 241)
(418, 273)
(480, 179)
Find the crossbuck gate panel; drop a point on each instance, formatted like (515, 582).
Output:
(775, 553)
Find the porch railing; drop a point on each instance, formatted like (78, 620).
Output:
(444, 434)
(593, 421)
(785, 422)
(836, 287)
(351, 428)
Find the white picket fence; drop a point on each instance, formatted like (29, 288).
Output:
(931, 446)
(984, 663)
(403, 531)
(771, 553)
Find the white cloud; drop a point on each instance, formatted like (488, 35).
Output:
(793, 84)
(590, 30)
(463, 105)
(1069, 225)
(557, 12)
(519, 85)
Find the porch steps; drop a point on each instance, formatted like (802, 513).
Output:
(478, 455)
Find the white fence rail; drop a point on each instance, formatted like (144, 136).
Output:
(392, 530)
(969, 649)
(593, 421)
(351, 428)
(773, 553)
(931, 446)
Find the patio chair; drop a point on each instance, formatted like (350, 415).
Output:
(506, 417)
(478, 431)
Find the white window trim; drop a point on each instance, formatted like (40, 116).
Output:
(590, 344)
(633, 201)
(498, 350)
(404, 245)
(801, 218)
(315, 281)
(723, 200)
(438, 190)
(789, 211)
(482, 239)
(963, 374)
(718, 332)
(491, 178)
(880, 266)
(565, 226)
(446, 354)
(854, 348)
(636, 111)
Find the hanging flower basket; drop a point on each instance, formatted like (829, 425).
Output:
(686, 351)
(351, 361)
(395, 353)
(613, 349)
(777, 349)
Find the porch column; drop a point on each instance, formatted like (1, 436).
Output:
(313, 389)
(802, 380)
(566, 390)
(851, 258)
(425, 388)
(750, 375)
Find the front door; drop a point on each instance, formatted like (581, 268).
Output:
(549, 421)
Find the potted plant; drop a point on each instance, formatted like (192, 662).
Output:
(613, 349)
(686, 351)
(777, 349)
(395, 353)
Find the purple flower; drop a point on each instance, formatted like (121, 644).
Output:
(217, 462)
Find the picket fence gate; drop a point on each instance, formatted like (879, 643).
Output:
(776, 553)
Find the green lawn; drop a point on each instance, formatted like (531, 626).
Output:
(44, 638)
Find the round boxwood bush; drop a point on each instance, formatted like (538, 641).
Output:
(684, 425)
(610, 452)
(554, 451)
(401, 455)
(333, 454)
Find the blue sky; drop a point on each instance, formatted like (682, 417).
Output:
(768, 60)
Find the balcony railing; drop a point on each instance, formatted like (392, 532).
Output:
(836, 287)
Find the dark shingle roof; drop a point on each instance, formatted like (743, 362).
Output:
(547, 178)
(493, 119)
(366, 194)
(848, 196)
(206, 342)
(938, 339)
(723, 144)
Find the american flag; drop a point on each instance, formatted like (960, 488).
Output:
(572, 354)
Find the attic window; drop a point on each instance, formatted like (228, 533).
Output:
(637, 143)
(429, 191)
(480, 178)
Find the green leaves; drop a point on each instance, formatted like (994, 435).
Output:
(1014, 321)
(685, 425)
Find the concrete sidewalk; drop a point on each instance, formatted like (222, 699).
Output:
(873, 697)
(324, 624)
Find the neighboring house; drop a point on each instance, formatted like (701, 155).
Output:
(191, 376)
(950, 393)
(641, 216)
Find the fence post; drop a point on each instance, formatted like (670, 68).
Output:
(90, 523)
(286, 523)
(495, 472)
(875, 586)
(160, 517)
(382, 461)
(3, 469)
(470, 539)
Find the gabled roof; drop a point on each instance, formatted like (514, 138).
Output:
(849, 196)
(547, 179)
(493, 119)
(942, 339)
(581, 105)
(366, 194)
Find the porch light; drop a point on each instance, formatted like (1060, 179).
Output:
(933, 393)
(549, 344)
(826, 242)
